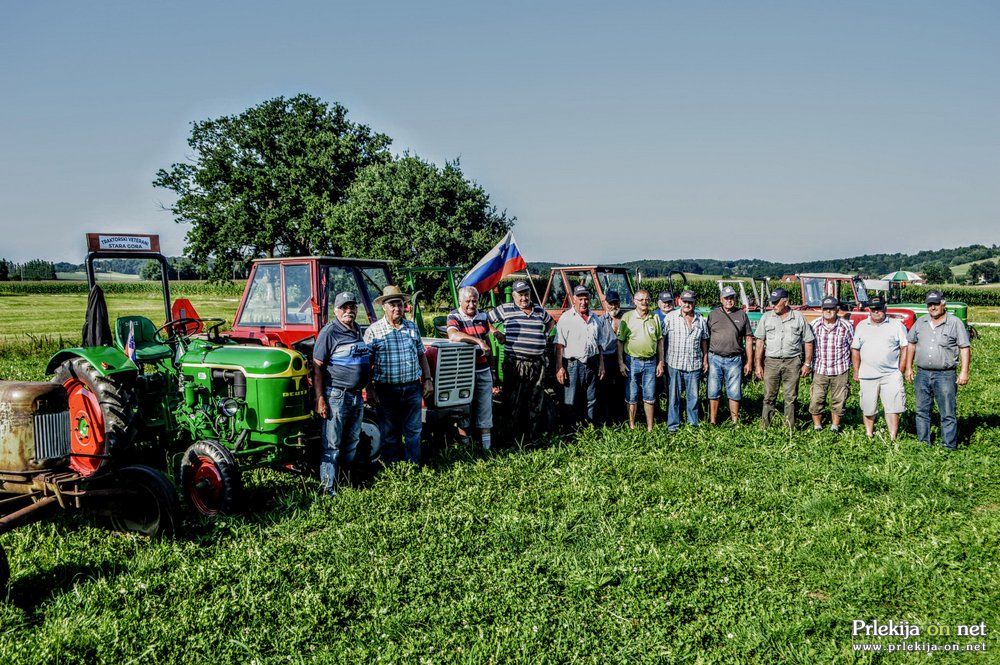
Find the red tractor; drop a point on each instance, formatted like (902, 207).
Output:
(287, 301)
(851, 292)
(599, 279)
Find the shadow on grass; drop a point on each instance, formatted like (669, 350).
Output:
(29, 592)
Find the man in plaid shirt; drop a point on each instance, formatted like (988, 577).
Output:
(685, 334)
(398, 363)
(831, 363)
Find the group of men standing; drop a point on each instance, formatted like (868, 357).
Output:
(620, 358)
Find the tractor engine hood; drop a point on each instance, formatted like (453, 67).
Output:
(255, 361)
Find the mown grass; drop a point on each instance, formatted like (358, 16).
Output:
(984, 314)
(724, 544)
(63, 314)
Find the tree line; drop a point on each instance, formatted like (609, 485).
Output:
(935, 265)
(297, 177)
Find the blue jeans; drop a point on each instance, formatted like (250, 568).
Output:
(686, 382)
(641, 372)
(481, 408)
(582, 378)
(341, 433)
(725, 369)
(936, 386)
(400, 421)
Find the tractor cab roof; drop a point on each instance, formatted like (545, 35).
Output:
(827, 275)
(331, 260)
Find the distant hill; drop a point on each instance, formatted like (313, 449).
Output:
(868, 264)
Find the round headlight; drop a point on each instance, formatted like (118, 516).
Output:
(229, 407)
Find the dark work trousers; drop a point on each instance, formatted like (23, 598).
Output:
(523, 388)
(580, 394)
(611, 392)
(781, 374)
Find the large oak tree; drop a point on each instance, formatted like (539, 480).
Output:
(265, 182)
(411, 210)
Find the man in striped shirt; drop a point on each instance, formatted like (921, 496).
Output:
(467, 324)
(526, 328)
(831, 364)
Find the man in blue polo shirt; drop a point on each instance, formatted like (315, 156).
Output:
(341, 368)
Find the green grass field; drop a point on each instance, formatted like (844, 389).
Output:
(726, 544)
(962, 269)
(62, 315)
(104, 276)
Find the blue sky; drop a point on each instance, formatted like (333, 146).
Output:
(613, 131)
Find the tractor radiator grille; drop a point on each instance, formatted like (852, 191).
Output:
(51, 435)
(455, 374)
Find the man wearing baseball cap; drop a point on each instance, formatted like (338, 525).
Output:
(730, 354)
(664, 305)
(685, 338)
(788, 350)
(938, 343)
(526, 329)
(580, 340)
(611, 389)
(878, 354)
(831, 365)
(341, 369)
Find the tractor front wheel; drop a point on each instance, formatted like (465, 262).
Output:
(150, 508)
(211, 479)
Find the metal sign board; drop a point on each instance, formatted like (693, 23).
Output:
(123, 242)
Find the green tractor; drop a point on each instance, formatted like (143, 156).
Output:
(207, 407)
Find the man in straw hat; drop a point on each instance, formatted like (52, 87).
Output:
(398, 368)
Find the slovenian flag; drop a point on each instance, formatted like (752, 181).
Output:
(499, 262)
(130, 342)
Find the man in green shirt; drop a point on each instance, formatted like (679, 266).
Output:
(640, 357)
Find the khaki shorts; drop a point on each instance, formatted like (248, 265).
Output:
(889, 388)
(838, 387)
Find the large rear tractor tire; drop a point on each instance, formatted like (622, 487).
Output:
(210, 479)
(151, 508)
(102, 413)
(4, 573)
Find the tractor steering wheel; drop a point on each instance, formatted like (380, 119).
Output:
(179, 332)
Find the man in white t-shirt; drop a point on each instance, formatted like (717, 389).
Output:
(879, 359)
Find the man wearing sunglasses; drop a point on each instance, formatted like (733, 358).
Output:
(938, 343)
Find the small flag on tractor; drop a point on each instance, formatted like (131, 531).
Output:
(130, 342)
(502, 260)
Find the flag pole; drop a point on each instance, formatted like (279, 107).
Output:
(531, 282)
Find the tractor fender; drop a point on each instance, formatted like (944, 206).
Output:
(107, 360)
